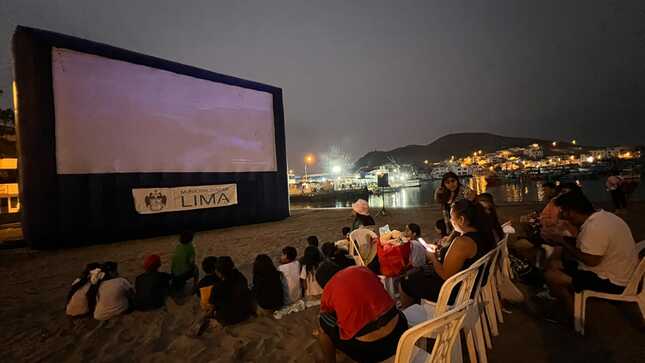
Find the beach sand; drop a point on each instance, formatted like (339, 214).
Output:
(34, 285)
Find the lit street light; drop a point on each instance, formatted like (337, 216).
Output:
(308, 160)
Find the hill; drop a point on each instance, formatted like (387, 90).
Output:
(459, 145)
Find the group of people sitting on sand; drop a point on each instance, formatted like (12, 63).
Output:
(223, 291)
(358, 315)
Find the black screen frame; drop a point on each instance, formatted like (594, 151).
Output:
(77, 209)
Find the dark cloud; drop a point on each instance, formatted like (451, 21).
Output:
(371, 75)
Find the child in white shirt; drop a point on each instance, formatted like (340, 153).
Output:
(290, 268)
(310, 262)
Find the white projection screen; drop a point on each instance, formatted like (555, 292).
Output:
(113, 116)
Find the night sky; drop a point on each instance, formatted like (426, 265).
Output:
(374, 75)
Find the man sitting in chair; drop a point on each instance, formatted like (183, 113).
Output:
(601, 257)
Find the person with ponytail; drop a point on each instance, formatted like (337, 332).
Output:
(474, 239)
(76, 304)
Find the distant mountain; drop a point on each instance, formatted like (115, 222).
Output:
(459, 145)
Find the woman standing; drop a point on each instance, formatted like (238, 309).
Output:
(450, 191)
(361, 212)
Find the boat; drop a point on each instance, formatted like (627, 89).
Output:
(320, 196)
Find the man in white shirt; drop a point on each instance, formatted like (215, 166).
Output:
(290, 268)
(602, 257)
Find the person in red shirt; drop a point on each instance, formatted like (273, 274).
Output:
(358, 317)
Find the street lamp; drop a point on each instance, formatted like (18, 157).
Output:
(308, 160)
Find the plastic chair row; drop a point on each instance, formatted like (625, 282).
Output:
(469, 285)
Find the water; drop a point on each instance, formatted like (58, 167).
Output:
(509, 192)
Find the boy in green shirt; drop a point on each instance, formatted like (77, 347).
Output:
(183, 262)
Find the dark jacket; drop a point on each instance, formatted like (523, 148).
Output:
(268, 292)
(151, 289)
(232, 299)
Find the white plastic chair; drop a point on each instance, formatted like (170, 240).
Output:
(444, 328)
(476, 316)
(630, 294)
(504, 280)
(466, 282)
(490, 293)
(489, 302)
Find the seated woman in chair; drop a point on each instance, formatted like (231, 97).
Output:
(474, 240)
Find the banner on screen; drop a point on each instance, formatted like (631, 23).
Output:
(161, 200)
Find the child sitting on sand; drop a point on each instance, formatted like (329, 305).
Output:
(111, 294)
(267, 285)
(344, 243)
(151, 287)
(290, 268)
(231, 298)
(312, 241)
(310, 262)
(183, 262)
(76, 298)
(337, 255)
(205, 285)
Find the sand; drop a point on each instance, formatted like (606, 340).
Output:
(35, 283)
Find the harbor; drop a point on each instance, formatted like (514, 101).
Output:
(511, 175)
